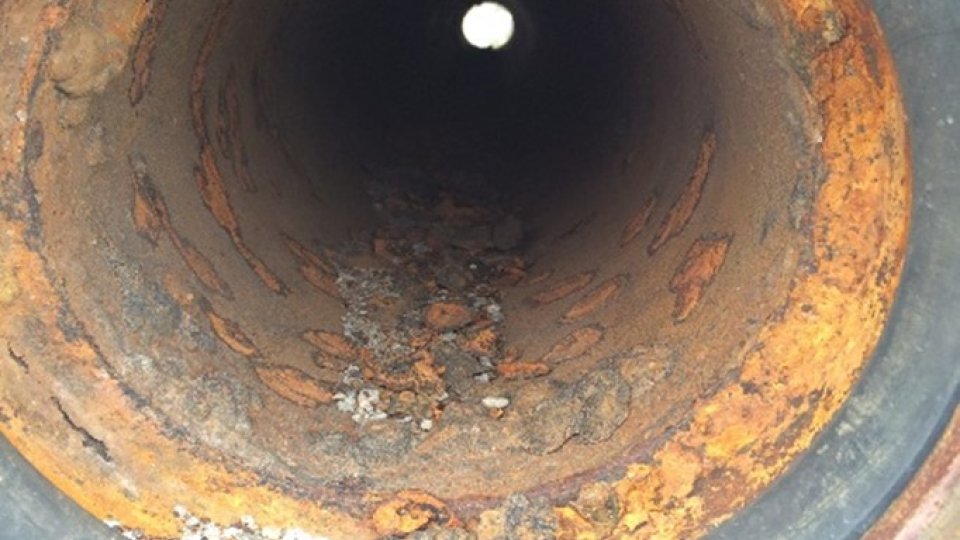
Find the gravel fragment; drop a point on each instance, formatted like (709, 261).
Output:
(496, 402)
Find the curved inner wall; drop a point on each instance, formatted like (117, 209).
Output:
(331, 249)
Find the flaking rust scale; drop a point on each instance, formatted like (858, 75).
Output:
(683, 209)
(294, 385)
(563, 289)
(597, 299)
(699, 268)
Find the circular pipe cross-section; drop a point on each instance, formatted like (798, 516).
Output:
(326, 267)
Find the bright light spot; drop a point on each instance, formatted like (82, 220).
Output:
(488, 26)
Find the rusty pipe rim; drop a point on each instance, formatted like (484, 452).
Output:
(130, 461)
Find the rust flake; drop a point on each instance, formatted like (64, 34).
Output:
(295, 386)
(638, 222)
(700, 266)
(209, 178)
(574, 345)
(152, 219)
(563, 289)
(230, 333)
(522, 370)
(484, 342)
(229, 132)
(216, 199)
(320, 272)
(142, 62)
(199, 78)
(538, 278)
(599, 298)
(682, 211)
(331, 344)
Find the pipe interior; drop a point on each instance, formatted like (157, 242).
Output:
(258, 238)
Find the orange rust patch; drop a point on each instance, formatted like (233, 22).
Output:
(574, 345)
(683, 209)
(410, 511)
(699, 268)
(231, 334)
(214, 193)
(599, 298)
(522, 370)
(295, 386)
(564, 289)
(142, 61)
(306, 256)
(539, 278)
(317, 270)
(573, 526)
(447, 316)
(331, 344)
(146, 218)
(483, 343)
(424, 375)
(639, 221)
(321, 281)
(660, 499)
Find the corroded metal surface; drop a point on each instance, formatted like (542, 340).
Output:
(130, 437)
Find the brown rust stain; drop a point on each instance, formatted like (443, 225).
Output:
(573, 345)
(597, 299)
(638, 222)
(152, 219)
(142, 61)
(699, 268)
(294, 385)
(563, 289)
(682, 211)
(229, 132)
